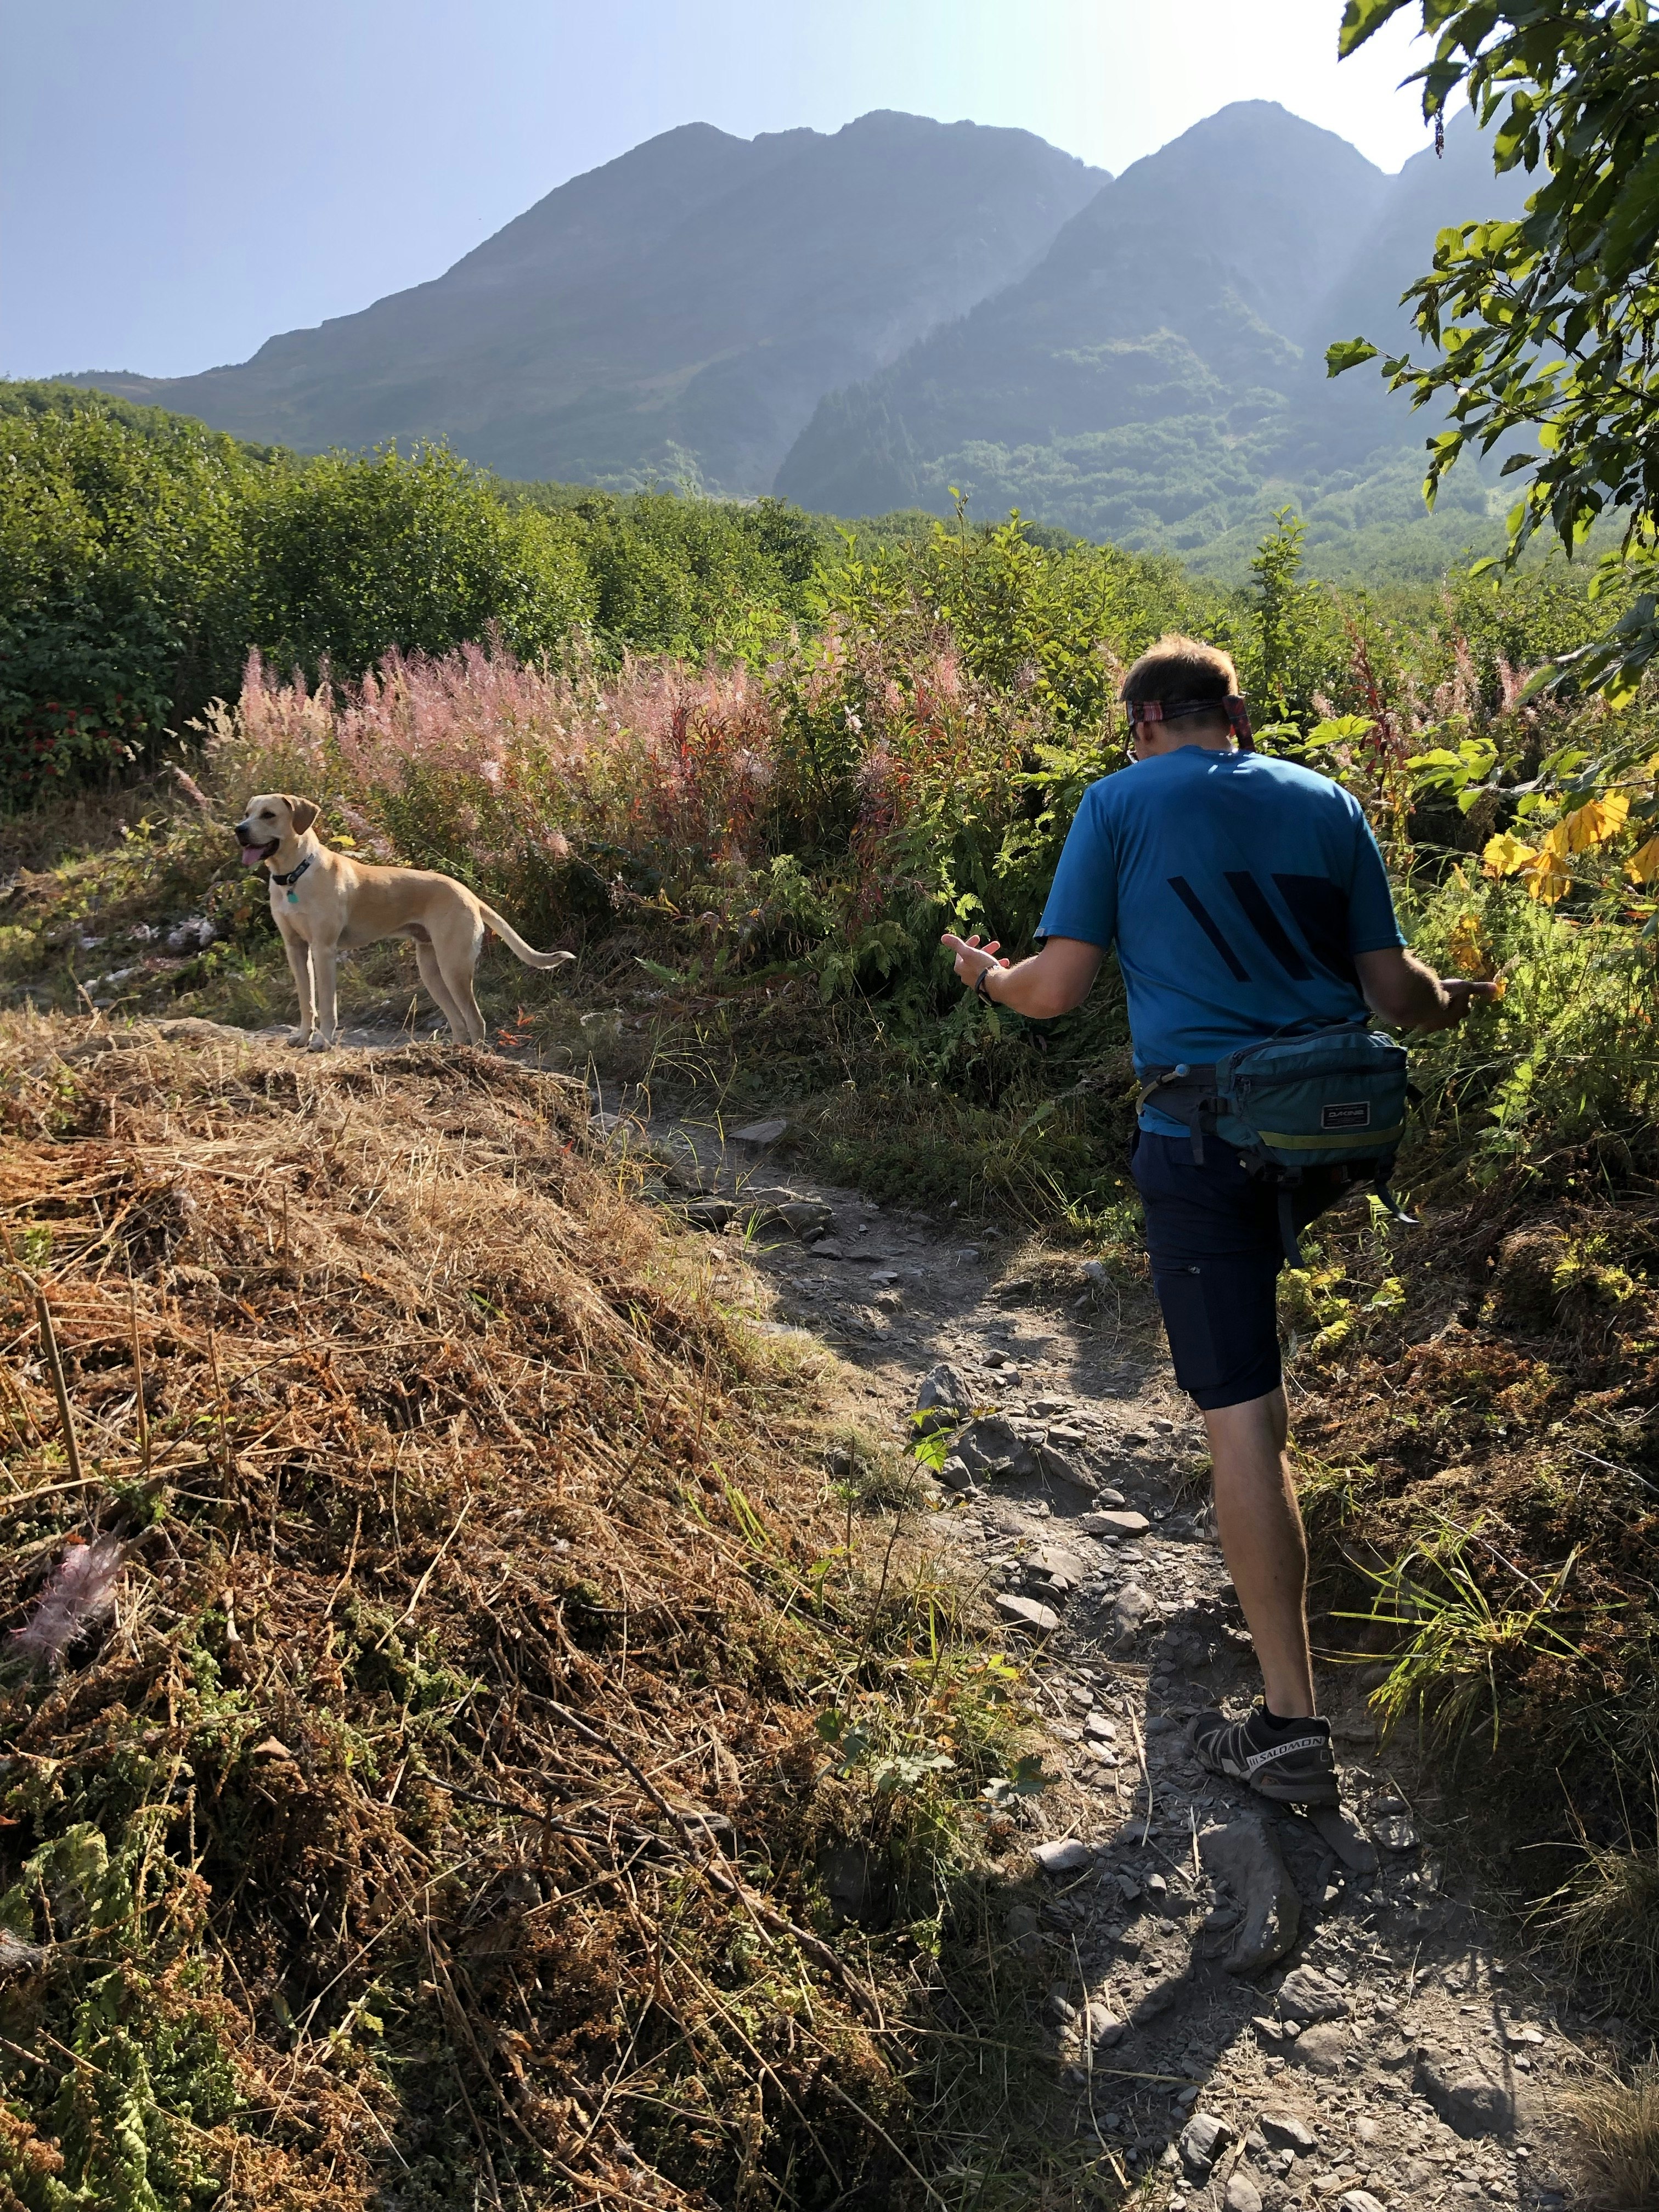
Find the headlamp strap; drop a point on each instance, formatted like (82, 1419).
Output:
(1176, 710)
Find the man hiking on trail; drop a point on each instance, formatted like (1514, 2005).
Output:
(1247, 898)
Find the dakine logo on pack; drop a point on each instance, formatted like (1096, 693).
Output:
(1357, 1116)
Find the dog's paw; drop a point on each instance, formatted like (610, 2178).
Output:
(320, 1043)
(300, 1041)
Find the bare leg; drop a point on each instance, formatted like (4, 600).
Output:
(298, 964)
(433, 976)
(1265, 1547)
(324, 971)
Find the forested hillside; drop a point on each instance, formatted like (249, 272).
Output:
(1160, 379)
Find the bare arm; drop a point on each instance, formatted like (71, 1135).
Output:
(1400, 990)
(1051, 982)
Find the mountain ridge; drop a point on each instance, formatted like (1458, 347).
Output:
(1158, 379)
(676, 312)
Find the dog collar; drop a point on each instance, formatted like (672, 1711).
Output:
(293, 874)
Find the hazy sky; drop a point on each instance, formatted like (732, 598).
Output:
(179, 179)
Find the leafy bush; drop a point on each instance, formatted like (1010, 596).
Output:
(120, 557)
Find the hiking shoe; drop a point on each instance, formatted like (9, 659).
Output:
(1292, 1763)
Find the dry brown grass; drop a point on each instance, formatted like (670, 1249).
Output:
(451, 1745)
(1618, 2122)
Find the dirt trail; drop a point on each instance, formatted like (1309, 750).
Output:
(1394, 2055)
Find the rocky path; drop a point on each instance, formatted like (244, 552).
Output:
(1246, 2011)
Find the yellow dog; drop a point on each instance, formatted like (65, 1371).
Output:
(325, 903)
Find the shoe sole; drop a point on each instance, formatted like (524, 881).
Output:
(1325, 1792)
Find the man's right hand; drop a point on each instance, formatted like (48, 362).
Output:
(1407, 995)
(1463, 995)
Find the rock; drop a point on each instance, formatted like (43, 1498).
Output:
(1067, 1855)
(997, 1358)
(1285, 2132)
(1357, 2200)
(1243, 2195)
(1055, 1559)
(710, 1212)
(1396, 1833)
(885, 1277)
(1027, 1612)
(1519, 2038)
(1097, 1274)
(1059, 1466)
(991, 1447)
(1133, 1609)
(1471, 2101)
(193, 934)
(17, 1957)
(761, 1133)
(1042, 1584)
(1324, 2049)
(1105, 2028)
(1243, 1858)
(1202, 2141)
(1114, 1524)
(1060, 2007)
(805, 1218)
(954, 1473)
(942, 1399)
(1307, 1995)
(827, 1248)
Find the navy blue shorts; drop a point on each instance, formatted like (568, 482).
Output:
(1213, 1237)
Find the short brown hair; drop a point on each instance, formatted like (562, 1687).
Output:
(1181, 668)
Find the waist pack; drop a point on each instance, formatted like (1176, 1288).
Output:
(1331, 1098)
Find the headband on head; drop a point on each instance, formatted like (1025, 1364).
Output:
(1176, 710)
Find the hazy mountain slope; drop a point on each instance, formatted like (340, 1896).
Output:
(679, 311)
(1159, 378)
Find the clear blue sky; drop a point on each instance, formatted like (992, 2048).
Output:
(179, 179)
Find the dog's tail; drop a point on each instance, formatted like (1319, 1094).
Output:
(514, 943)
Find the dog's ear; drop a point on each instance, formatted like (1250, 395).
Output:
(304, 812)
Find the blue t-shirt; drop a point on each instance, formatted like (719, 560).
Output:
(1236, 889)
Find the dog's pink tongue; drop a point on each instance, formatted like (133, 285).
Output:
(251, 855)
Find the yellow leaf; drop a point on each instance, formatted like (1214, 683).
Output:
(1643, 865)
(1500, 984)
(1506, 852)
(1547, 879)
(1594, 822)
(1467, 948)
